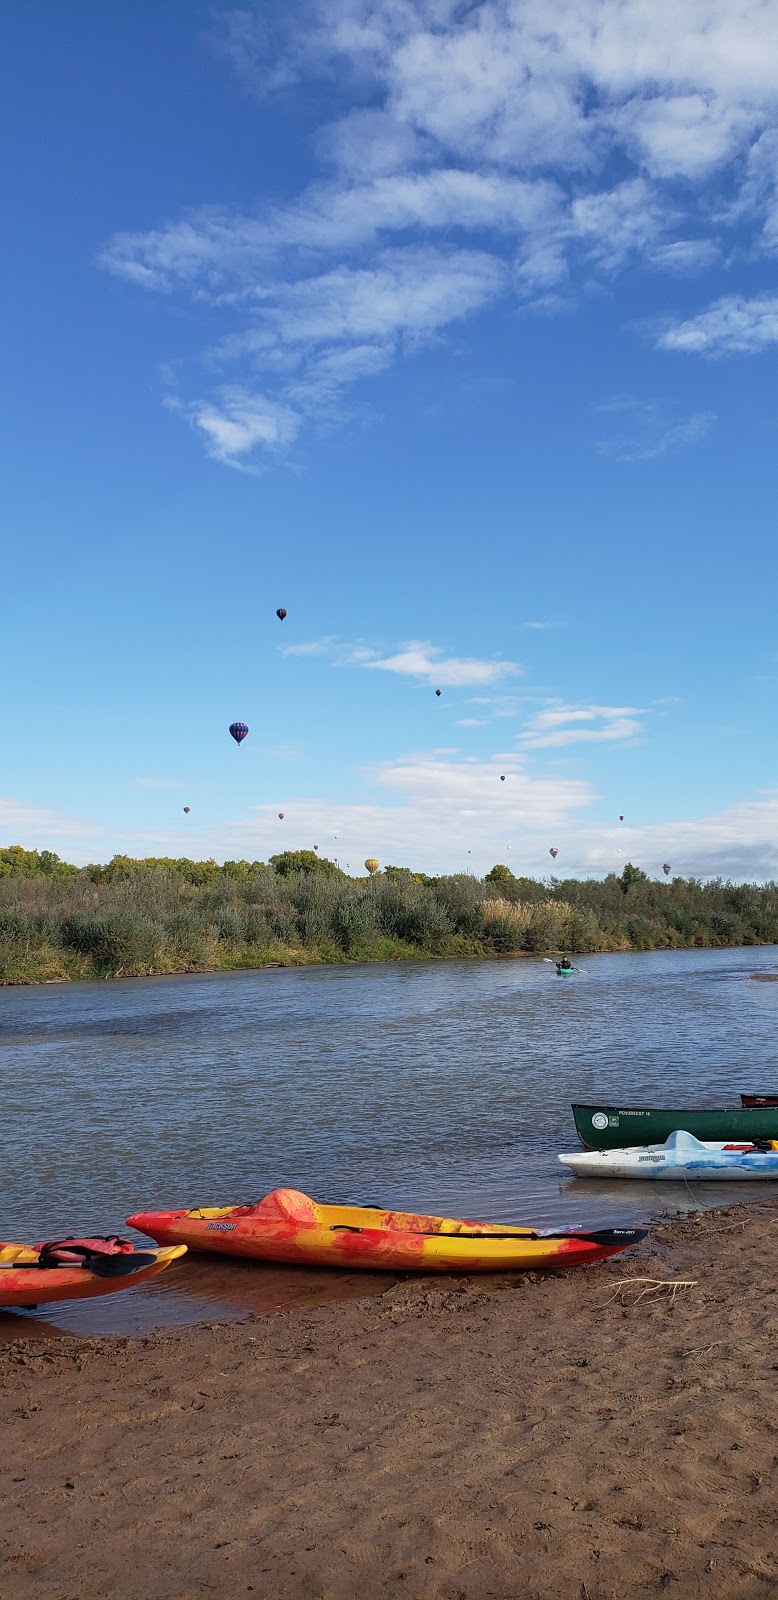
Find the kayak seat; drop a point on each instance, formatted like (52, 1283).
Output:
(283, 1205)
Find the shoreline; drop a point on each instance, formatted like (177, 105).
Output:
(485, 1438)
(411, 953)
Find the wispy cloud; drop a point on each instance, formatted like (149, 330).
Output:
(156, 783)
(428, 664)
(647, 430)
(734, 325)
(474, 159)
(309, 647)
(562, 725)
(540, 627)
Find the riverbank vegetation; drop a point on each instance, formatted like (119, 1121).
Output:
(133, 917)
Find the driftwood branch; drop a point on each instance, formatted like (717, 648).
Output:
(650, 1286)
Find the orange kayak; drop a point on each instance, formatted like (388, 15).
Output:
(24, 1284)
(288, 1226)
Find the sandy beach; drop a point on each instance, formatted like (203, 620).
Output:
(454, 1439)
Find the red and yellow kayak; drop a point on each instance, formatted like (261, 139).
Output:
(24, 1283)
(287, 1226)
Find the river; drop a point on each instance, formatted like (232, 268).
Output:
(443, 1086)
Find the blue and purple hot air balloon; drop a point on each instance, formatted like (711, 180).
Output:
(239, 731)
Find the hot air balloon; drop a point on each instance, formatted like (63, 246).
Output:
(281, 816)
(553, 852)
(187, 810)
(238, 731)
(667, 869)
(502, 777)
(281, 613)
(316, 847)
(438, 692)
(621, 819)
(371, 865)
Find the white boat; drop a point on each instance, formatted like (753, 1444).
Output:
(681, 1156)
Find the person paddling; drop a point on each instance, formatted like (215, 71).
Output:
(565, 965)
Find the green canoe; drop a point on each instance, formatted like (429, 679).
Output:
(604, 1127)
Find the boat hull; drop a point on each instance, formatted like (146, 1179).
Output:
(289, 1227)
(680, 1157)
(604, 1127)
(753, 1100)
(28, 1286)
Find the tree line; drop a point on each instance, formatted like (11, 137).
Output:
(132, 917)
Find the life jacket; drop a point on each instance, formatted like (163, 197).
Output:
(82, 1252)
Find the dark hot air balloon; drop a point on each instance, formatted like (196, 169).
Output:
(281, 613)
(438, 692)
(281, 816)
(502, 777)
(621, 819)
(187, 809)
(238, 731)
(316, 847)
(553, 852)
(667, 869)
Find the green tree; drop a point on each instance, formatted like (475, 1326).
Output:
(291, 861)
(500, 874)
(630, 876)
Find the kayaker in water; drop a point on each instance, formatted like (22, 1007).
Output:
(565, 965)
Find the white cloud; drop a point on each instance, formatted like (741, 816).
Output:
(734, 325)
(309, 647)
(426, 662)
(433, 810)
(429, 810)
(476, 153)
(562, 725)
(238, 420)
(32, 825)
(647, 430)
(317, 336)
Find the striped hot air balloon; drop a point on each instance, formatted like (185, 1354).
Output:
(372, 865)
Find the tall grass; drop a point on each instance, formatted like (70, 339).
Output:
(136, 917)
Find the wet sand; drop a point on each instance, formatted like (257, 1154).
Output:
(454, 1439)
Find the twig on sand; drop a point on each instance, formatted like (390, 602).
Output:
(651, 1286)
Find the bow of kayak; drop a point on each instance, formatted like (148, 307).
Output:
(289, 1227)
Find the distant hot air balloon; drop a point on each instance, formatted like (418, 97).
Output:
(316, 847)
(281, 613)
(281, 816)
(621, 819)
(187, 810)
(438, 692)
(502, 777)
(667, 869)
(371, 865)
(553, 852)
(238, 731)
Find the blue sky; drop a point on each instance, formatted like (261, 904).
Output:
(456, 339)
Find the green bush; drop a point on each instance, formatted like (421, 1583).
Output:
(161, 914)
